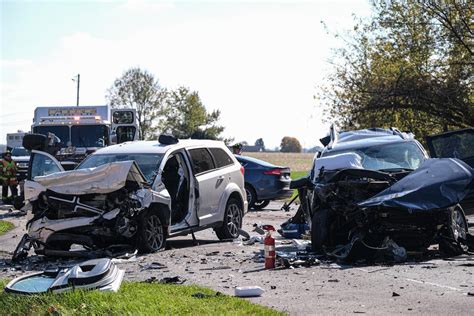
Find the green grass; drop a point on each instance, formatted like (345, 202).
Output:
(296, 175)
(5, 227)
(133, 298)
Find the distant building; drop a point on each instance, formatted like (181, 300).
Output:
(15, 139)
(252, 148)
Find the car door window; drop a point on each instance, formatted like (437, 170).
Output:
(43, 165)
(221, 158)
(202, 160)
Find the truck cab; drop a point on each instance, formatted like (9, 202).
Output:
(81, 130)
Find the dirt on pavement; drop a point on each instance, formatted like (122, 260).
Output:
(435, 286)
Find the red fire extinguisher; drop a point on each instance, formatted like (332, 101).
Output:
(269, 250)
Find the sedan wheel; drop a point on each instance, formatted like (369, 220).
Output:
(258, 205)
(251, 196)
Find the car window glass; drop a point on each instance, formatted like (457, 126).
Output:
(221, 158)
(202, 160)
(123, 117)
(125, 134)
(455, 146)
(43, 165)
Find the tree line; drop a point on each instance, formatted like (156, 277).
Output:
(178, 112)
(409, 66)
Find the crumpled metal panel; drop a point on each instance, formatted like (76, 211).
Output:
(103, 179)
(437, 183)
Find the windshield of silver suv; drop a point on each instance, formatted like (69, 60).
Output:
(148, 163)
(386, 157)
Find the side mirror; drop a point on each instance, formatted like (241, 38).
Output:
(35, 142)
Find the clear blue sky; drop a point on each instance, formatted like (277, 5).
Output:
(258, 62)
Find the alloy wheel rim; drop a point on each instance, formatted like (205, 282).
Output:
(154, 232)
(458, 225)
(249, 195)
(233, 219)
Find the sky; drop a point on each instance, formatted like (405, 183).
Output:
(259, 62)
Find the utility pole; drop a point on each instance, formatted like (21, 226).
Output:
(78, 82)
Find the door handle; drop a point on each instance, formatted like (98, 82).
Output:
(219, 181)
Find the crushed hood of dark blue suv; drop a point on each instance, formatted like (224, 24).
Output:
(437, 183)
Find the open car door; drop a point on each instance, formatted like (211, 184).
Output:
(41, 164)
(456, 144)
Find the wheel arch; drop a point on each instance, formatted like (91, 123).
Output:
(232, 191)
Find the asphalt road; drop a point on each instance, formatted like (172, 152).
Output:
(434, 285)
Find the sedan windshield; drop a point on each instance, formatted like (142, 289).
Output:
(148, 163)
(388, 157)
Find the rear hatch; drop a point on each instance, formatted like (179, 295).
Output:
(456, 144)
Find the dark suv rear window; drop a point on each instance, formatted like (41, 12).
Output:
(202, 160)
(221, 158)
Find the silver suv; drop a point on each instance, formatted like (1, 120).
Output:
(138, 193)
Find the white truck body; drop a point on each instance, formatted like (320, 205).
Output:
(81, 130)
(15, 139)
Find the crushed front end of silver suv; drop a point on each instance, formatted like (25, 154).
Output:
(94, 208)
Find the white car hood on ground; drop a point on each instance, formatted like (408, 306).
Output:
(103, 179)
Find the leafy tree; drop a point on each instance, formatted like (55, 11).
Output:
(186, 117)
(290, 145)
(138, 89)
(410, 66)
(259, 142)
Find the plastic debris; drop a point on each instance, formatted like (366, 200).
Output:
(248, 291)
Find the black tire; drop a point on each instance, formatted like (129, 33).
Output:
(151, 233)
(451, 244)
(232, 221)
(251, 195)
(18, 202)
(319, 229)
(258, 205)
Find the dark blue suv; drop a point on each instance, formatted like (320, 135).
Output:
(264, 181)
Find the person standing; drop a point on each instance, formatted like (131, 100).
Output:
(237, 149)
(8, 177)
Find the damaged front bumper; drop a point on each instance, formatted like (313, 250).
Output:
(354, 213)
(92, 208)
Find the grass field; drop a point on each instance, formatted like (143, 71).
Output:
(5, 227)
(296, 161)
(133, 298)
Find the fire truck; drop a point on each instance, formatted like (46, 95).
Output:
(81, 130)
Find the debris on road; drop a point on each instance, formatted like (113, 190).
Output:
(101, 274)
(203, 295)
(248, 291)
